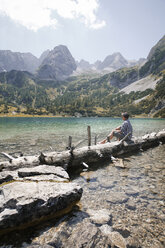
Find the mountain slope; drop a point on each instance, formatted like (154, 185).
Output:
(156, 59)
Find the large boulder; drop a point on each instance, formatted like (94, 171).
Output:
(26, 203)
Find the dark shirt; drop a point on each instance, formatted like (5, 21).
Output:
(126, 128)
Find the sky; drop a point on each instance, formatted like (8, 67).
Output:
(91, 29)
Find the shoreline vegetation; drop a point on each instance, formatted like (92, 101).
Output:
(68, 116)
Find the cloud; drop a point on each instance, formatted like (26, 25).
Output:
(35, 14)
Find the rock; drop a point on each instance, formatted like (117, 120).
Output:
(131, 205)
(100, 216)
(43, 170)
(26, 203)
(106, 229)
(49, 177)
(81, 234)
(117, 198)
(116, 238)
(6, 176)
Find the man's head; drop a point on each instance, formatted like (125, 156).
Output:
(125, 116)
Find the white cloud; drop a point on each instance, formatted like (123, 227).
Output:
(35, 14)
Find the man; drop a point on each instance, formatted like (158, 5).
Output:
(122, 131)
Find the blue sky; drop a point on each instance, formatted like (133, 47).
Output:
(91, 29)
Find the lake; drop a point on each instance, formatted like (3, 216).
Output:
(134, 195)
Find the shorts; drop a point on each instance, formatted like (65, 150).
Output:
(118, 135)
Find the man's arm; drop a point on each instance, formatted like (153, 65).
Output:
(118, 128)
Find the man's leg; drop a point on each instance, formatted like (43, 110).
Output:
(105, 140)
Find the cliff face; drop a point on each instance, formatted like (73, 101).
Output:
(58, 64)
(17, 61)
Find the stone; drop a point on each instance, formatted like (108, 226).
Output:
(117, 198)
(81, 234)
(101, 216)
(116, 238)
(106, 229)
(23, 203)
(50, 177)
(6, 176)
(43, 170)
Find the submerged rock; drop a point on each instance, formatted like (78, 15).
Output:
(116, 239)
(43, 170)
(117, 198)
(27, 203)
(100, 216)
(37, 173)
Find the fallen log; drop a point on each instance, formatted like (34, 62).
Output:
(88, 154)
(100, 152)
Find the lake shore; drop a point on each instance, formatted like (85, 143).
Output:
(57, 116)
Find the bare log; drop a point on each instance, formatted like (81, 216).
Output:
(88, 154)
(7, 156)
(100, 152)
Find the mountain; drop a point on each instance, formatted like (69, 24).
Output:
(113, 62)
(17, 61)
(43, 56)
(58, 64)
(155, 60)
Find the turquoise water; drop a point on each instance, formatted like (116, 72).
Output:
(32, 135)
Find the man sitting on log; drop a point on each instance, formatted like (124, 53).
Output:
(121, 131)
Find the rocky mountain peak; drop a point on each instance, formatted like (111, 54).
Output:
(58, 64)
(114, 61)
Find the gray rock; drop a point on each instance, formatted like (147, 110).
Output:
(106, 229)
(117, 198)
(99, 216)
(82, 234)
(116, 239)
(49, 177)
(43, 170)
(6, 176)
(26, 202)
